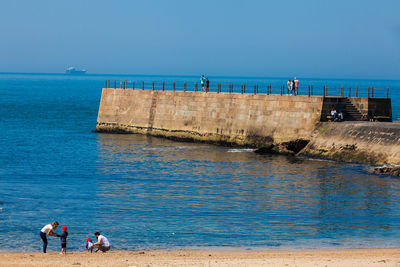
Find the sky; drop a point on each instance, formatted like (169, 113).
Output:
(258, 38)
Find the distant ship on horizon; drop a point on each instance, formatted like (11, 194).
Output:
(75, 71)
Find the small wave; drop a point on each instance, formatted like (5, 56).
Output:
(236, 150)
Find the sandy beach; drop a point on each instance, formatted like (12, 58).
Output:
(343, 258)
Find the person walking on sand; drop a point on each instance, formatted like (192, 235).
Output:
(102, 243)
(48, 230)
(202, 82)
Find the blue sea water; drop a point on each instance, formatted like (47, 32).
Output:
(146, 192)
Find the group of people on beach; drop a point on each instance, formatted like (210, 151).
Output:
(204, 82)
(293, 86)
(102, 243)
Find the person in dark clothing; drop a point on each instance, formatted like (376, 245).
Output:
(294, 87)
(207, 85)
(63, 238)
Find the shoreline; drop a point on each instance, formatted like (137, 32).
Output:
(210, 257)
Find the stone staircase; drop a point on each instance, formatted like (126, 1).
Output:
(352, 113)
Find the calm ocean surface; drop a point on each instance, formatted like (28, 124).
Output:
(145, 192)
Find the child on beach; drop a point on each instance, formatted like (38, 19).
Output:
(89, 245)
(63, 238)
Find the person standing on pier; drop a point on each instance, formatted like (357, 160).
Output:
(289, 87)
(202, 81)
(296, 86)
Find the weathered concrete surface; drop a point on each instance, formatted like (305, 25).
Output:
(370, 142)
(392, 170)
(239, 119)
(274, 123)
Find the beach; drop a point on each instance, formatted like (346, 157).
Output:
(188, 257)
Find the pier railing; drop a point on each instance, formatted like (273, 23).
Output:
(256, 88)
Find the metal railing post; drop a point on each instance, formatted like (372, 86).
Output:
(387, 92)
(341, 90)
(309, 91)
(174, 86)
(372, 90)
(357, 91)
(195, 86)
(133, 85)
(312, 89)
(349, 91)
(368, 91)
(163, 85)
(142, 85)
(184, 86)
(115, 84)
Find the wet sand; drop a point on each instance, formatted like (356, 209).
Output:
(186, 257)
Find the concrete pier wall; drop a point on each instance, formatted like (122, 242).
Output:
(243, 119)
(285, 124)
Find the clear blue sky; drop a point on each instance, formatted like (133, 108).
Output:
(310, 38)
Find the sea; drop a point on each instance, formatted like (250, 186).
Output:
(143, 192)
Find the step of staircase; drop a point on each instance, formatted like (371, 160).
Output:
(352, 113)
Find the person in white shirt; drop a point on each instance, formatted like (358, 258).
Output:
(48, 229)
(102, 243)
(289, 87)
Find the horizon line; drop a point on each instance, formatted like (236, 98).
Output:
(182, 75)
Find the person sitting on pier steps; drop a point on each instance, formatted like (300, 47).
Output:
(333, 114)
(340, 116)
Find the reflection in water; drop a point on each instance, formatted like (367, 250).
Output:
(163, 193)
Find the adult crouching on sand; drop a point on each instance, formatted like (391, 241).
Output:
(48, 230)
(102, 243)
